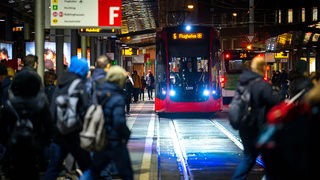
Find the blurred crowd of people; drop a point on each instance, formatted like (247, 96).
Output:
(34, 98)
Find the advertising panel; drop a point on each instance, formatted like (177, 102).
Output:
(50, 51)
(5, 51)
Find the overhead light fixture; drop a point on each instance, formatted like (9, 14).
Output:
(11, 1)
(190, 6)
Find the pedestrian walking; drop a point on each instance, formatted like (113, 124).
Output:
(150, 84)
(143, 86)
(49, 79)
(63, 144)
(5, 83)
(136, 86)
(262, 99)
(98, 74)
(128, 93)
(26, 107)
(118, 132)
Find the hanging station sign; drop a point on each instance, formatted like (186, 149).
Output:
(86, 13)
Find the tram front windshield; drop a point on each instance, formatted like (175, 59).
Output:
(188, 69)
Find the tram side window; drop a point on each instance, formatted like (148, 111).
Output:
(175, 69)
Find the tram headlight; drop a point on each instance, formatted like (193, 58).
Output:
(206, 92)
(172, 92)
(163, 92)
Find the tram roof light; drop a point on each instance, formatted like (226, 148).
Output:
(190, 6)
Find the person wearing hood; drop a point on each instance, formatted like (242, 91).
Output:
(63, 144)
(262, 99)
(115, 123)
(28, 101)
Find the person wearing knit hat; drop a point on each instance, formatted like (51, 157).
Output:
(114, 109)
(79, 66)
(62, 144)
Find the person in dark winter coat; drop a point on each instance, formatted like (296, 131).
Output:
(69, 143)
(150, 84)
(118, 132)
(263, 98)
(28, 100)
(143, 86)
(295, 141)
(5, 82)
(98, 74)
(136, 86)
(128, 93)
(49, 83)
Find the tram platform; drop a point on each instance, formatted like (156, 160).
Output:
(142, 144)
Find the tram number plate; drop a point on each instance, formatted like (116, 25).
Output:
(189, 88)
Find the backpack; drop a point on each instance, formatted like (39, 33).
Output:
(68, 118)
(240, 109)
(93, 134)
(23, 131)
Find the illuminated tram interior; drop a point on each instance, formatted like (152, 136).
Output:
(188, 79)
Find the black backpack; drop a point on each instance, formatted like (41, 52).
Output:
(23, 130)
(240, 109)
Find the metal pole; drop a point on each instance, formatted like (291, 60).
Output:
(59, 51)
(39, 35)
(84, 46)
(74, 42)
(92, 51)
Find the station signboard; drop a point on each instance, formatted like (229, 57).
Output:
(281, 55)
(86, 13)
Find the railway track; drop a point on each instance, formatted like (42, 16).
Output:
(199, 148)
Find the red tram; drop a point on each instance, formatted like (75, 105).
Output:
(187, 70)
